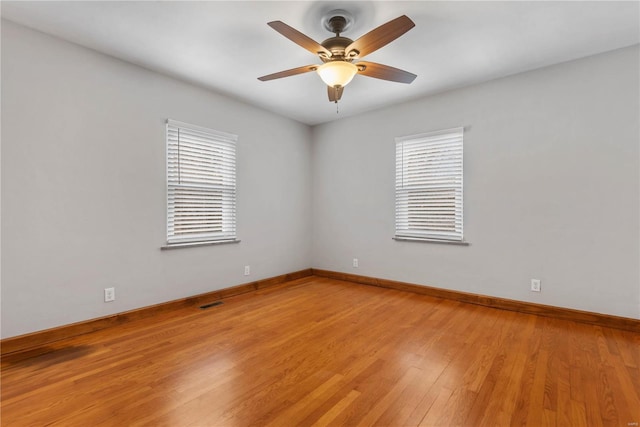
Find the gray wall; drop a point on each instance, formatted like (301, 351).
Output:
(551, 188)
(83, 186)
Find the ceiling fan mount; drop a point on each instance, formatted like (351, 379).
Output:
(337, 21)
(342, 56)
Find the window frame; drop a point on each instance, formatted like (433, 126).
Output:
(450, 167)
(224, 146)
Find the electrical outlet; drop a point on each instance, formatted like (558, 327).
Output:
(109, 294)
(355, 263)
(247, 270)
(535, 285)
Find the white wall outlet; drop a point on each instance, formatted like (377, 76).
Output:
(109, 294)
(247, 270)
(355, 263)
(535, 285)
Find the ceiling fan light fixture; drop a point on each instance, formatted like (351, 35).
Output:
(337, 73)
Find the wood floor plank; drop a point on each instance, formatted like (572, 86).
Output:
(297, 411)
(328, 352)
(337, 409)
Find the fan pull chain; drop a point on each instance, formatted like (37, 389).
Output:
(337, 109)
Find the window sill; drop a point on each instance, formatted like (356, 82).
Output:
(194, 244)
(426, 240)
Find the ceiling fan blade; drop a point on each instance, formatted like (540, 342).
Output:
(384, 72)
(299, 38)
(380, 36)
(335, 93)
(287, 73)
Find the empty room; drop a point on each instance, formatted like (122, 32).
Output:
(320, 213)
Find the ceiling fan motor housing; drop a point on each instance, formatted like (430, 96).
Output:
(338, 21)
(336, 45)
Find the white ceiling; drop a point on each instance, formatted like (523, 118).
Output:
(225, 46)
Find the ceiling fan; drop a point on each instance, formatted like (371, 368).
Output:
(342, 56)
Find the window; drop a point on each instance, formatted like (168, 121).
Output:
(429, 186)
(201, 185)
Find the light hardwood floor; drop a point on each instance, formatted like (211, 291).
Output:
(325, 352)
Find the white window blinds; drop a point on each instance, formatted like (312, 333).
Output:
(429, 186)
(201, 184)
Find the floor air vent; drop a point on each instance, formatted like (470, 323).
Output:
(211, 304)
